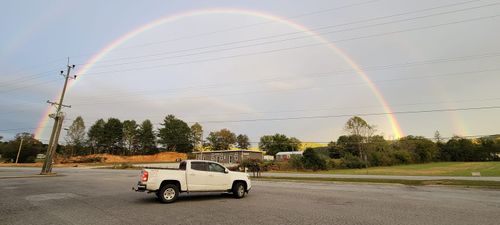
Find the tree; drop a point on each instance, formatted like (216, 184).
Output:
(175, 135)
(130, 136)
(221, 140)
(147, 138)
(242, 141)
(358, 127)
(197, 135)
(75, 136)
(31, 147)
(273, 144)
(459, 149)
(113, 135)
(96, 136)
(422, 149)
(437, 137)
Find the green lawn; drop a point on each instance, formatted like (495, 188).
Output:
(463, 183)
(429, 169)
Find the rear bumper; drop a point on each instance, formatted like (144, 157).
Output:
(140, 187)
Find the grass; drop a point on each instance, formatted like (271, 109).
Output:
(462, 183)
(428, 169)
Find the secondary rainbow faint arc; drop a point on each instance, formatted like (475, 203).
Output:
(396, 129)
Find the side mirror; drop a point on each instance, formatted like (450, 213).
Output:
(226, 171)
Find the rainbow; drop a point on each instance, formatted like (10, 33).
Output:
(171, 18)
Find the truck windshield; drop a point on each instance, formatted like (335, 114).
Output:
(182, 166)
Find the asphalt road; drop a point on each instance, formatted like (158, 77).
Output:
(97, 196)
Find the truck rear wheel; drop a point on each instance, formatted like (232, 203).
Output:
(239, 190)
(168, 193)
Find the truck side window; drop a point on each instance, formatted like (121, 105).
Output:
(182, 166)
(202, 166)
(212, 167)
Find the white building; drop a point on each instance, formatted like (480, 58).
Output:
(284, 156)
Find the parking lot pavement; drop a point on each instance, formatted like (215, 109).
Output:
(99, 196)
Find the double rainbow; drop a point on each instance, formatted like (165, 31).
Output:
(396, 129)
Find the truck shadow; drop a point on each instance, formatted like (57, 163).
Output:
(193, 197)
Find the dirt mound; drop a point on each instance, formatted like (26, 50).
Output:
(108, 158)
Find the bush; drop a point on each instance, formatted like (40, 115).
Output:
(296, 162)
(401, 157)
(380, 159)
(253, 165)
(234, 168)
(352, 162)
(312, 160)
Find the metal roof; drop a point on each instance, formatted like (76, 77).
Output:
(290, 153)
(224, 151)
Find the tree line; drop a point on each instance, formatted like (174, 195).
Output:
(359, 147)
(131, 138)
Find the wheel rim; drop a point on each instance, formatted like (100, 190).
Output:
(241, 190)
(169, 193)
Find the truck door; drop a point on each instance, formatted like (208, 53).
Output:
(198, 177)
(219, 180)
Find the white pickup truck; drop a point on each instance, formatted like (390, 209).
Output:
(193, 176)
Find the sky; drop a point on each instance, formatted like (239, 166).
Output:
(300, 68)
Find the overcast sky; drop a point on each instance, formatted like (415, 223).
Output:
(252, 66)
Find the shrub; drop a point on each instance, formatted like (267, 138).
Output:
(312, 160)
(296, 162)
(380, 159)
(401, 157)
(253, 165)
(352, 162)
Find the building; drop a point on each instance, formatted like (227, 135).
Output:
(229, 156)
(268, 158)
(284, 156)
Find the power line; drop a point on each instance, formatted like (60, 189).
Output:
(226, 30)
(327, 108)
(355, 22)
(93, 102)
(349, 115)
(244, 26)
(311, 75)
(296, 16)
(285, 34)
(264, 52)
(294, 47)
(29, 85)
(319, 74)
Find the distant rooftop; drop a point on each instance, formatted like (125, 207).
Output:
(222, 151)
(290, 153)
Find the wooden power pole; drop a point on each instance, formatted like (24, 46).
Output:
(58, 117)
(19, 150)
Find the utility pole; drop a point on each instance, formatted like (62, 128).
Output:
(58, 117)
(19, 151)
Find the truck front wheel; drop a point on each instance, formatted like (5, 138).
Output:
(168, 193)
(239, 190)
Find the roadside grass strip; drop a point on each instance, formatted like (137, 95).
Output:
(461, 183)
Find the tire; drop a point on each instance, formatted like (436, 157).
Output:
(239, 190)
(168, 193)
